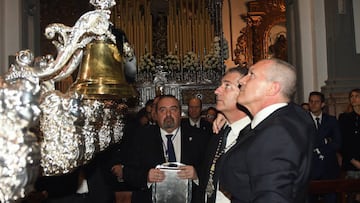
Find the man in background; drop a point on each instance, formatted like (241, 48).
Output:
(211, 114)
(167, 141)
(194, 117)
(327, 143)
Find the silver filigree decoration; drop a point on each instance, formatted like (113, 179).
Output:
(93, 110)
(103, 4)
(19, 151)
(71, 130)
(105, 132)
(22, 71)
(93, 25)
(128, 51)
(61, 121)
(119, 124)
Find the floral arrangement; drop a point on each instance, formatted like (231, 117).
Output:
(190, 61)
(172, 62)
(225, 49)
(212, 59)
(147, 63)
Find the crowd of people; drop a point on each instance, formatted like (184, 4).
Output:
(254, 145)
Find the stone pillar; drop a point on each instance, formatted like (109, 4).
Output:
(343, 62)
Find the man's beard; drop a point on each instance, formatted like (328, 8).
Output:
(169, 123)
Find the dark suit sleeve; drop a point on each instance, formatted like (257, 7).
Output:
(145, 153)
(194, 146)
(195, 141)
(274, 167)
(124, 149)
(133, 173)
(334, 138)
(204, 170)
(121, 153)
(272, 163)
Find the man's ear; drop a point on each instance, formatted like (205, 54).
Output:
(274, 88)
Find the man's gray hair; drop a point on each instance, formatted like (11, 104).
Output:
(284, 73)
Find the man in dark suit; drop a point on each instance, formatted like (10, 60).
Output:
(327, 143)
(226, 95)
(194, 117)
(272, 162)
(152, 149)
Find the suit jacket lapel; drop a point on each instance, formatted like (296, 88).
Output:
(243, 135)
(160, 143)
(189, 140)
(186, 137)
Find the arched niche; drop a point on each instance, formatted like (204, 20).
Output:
(264, 34)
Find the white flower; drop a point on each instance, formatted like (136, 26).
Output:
(190, 61)
(172, 62)
(225, 49)
(212, 59)
(147, 63)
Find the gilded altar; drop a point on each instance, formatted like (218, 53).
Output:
(181, 91)
(179, 45)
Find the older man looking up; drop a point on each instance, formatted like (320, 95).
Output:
(272, 162)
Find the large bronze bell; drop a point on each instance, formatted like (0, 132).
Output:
(101, 75)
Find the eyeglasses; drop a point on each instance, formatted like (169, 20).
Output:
(210, 116)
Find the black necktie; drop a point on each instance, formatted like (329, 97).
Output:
(317, 122)
(243, 133)
(170, 149)
(224, 138)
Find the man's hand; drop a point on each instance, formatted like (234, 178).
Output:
(155, 175)
(356, 163)
(117, 170)
(218, 123)
(187, 172)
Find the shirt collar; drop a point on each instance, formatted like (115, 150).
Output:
(192, 123)
(164, 133)
(238, 125)
(314, 117)
(265, 112)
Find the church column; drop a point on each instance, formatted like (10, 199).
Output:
(343, 61)
(10, 31)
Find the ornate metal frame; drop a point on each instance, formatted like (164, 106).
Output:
(72, 127)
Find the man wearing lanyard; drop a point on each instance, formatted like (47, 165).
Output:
(166, 142)
(226, 96)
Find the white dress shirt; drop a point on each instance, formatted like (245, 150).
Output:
(314, 118)
(176, 138)
(264, 113)
(197, 123)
